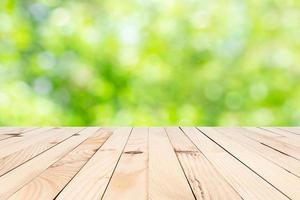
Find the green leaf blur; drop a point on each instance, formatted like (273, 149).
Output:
(149, 62)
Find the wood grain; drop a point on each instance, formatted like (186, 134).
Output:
(202, 176)
(247, 183)
(14, 132)
(166, 177)
(17, 178)
(15, 159)
(287, 136)
(49, 183)
(130, 179)
(290, 164)
(285, 182)
(15, 144)
(294, 130)
(203, 163)
(93, 178)
(272, 142)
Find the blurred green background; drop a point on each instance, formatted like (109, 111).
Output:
(149, 62)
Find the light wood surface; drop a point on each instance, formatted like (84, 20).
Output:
(203, 163)
(131, 174)
(49, 183)
(92, 180)
(165, 172)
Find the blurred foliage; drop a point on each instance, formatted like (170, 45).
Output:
(149, 62)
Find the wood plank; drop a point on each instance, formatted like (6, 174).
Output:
(93, 178)
(2, 129)
(12, 130)
(15, 159)
(15, 144)
(283, 181)
(5, 136)
(294, 130)
(17, 178)
(287, 137)
(247, 183)
(160, 163)
(19, 136)
(281, 135)
(206, 181)
(166, 178)
(281, 131)
(288, 163)
(48, 184)
(14, 133)
(272, 130)
(130, 179)
(260, 136)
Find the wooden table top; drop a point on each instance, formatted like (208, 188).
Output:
(150, 163)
